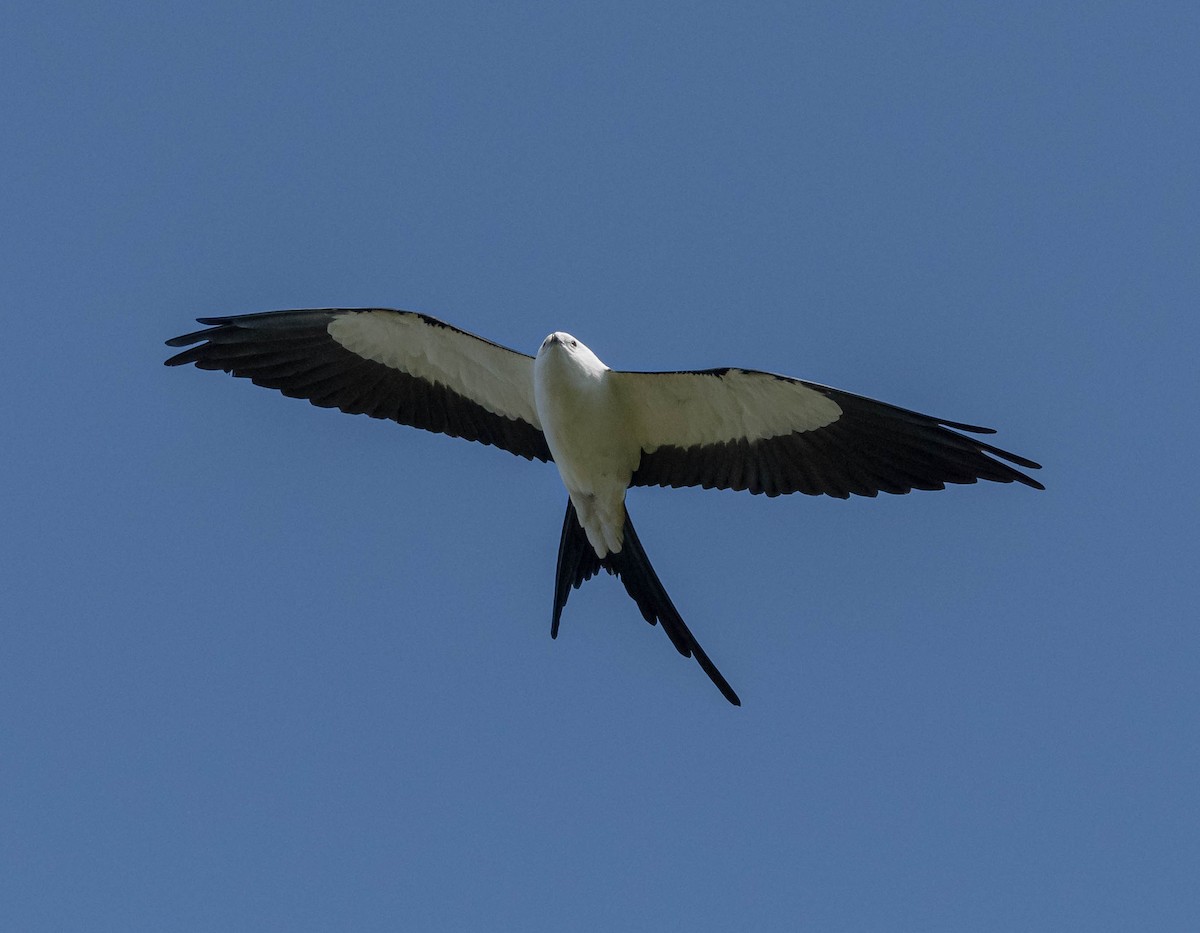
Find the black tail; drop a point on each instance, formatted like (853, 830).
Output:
(577, 562)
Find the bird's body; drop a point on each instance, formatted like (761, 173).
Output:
(588, 431)
(605, 430)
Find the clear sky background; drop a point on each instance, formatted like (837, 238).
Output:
(269, 667)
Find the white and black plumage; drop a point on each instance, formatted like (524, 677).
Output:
(604, 429)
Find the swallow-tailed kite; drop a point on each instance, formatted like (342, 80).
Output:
(604, 429)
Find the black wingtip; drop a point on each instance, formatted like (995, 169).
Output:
(186, 340)
(190, 355)
(1032, 483)
(971, 428)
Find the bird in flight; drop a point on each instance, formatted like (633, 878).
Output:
(605, 430)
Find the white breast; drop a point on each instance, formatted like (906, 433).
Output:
(589, 433)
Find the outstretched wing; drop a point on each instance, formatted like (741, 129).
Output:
(399, 365)
(741, 429)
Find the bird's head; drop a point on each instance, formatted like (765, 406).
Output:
(559, 339)
(566, 349)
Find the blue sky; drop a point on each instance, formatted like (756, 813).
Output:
(271, 667)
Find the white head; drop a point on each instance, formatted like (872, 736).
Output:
(558, 337)
(563, 346)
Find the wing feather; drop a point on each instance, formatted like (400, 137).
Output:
(743, 429)
(398, 365)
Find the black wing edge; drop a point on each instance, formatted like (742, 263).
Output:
(292, 351)
(874, 447)
(938, 434)
(577, 562)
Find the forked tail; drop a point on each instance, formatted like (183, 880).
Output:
(577, 562)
